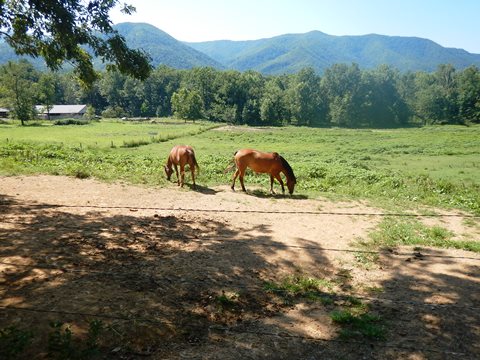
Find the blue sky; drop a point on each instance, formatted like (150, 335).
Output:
(450, 23)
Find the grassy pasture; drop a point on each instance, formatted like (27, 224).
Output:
(396, 169)
(400, 168)
(101, 134)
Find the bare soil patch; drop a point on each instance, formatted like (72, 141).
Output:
(180, 274)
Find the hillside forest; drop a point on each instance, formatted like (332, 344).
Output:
(343, 96)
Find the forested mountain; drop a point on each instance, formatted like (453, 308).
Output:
(286, 53)
(162, 48)
(292, 52)
(7, 54)
(343, 96)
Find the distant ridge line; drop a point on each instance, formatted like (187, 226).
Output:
(283, 54)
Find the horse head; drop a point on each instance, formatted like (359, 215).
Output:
(287, 170)
(291, 184)
(168, 171)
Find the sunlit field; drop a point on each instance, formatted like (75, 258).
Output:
(403, 168)
(101, 134)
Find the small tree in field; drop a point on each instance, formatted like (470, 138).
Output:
(187, 104)
(90, 113)
(17, 88)
(46, 92)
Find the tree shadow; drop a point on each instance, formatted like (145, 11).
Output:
(448, 328)
(158, 282)
(178, 286)
(429, 309)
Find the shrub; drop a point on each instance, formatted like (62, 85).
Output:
(71, 122)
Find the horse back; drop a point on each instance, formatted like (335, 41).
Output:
(258, 161)
(182, 155)
(179, 153)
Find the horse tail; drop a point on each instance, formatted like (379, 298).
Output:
(231, 165)
(195, 163)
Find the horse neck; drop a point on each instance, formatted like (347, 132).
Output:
(285, 169)
(287, 174)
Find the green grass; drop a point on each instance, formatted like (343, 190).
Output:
(353, 316)
(367, 260)
(102, 134)
(61, 342)
(296, 285)
(227, 300)
(395, 169)
(392, 232)
(356, 321)
(359, 325)
(13, 341)
(312, 289)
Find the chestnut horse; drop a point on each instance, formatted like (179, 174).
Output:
(181, 155)
(262, 162)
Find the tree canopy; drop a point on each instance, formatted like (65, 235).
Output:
(62, 30)
(344, 96)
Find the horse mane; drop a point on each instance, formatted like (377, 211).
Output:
(288, 168)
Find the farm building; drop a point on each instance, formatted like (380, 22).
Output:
(4, 113)
(61, 111)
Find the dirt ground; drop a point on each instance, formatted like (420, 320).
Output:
(180, 274)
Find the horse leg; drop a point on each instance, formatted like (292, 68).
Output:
(182, 175)
(242, 173)
(176, 172)
(192, 170)
(279, 178)
(235, 178)
(271, 185)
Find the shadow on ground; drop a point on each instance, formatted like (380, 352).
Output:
(168, 287)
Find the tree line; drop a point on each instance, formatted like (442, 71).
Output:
(344, 95)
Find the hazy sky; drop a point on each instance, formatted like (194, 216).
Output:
(450, 23)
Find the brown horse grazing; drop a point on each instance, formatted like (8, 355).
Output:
(181, 155)
(262, 162)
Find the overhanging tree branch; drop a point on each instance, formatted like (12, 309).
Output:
(61, 30)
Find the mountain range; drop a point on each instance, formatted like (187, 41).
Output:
(287, 53)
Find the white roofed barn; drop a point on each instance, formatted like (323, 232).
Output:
(61, 111)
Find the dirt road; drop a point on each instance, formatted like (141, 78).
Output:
(180, 274)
